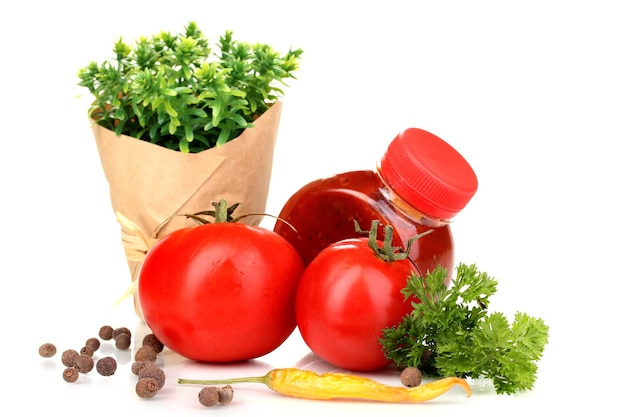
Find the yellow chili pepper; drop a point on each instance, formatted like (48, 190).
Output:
(307, 384)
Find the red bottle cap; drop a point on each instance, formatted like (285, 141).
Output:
(428, 173)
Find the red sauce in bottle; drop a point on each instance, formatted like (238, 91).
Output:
(420, 184)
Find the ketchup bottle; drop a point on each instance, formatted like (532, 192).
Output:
(420, 183)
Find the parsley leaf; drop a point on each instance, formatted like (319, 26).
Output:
(450, 333)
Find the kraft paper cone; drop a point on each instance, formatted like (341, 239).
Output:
(149, 183)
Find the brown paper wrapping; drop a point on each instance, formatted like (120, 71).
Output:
(149, 183)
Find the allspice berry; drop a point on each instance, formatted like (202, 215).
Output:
(146, 353)
(106, 366)
(120, 330)
(70, 374)
(138, 366)
(122, 341)
(87, 350)
(147, 387)
(83, 363)
(47, 350)
(68, 356)
(226, 394)
(93, 342)
(153, 372)
(208, 396)
(152, 340)
(106, 333)
(411, 377)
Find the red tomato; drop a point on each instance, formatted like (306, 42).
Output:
(220, 292)
(345, 297)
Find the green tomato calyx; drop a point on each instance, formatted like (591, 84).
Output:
(387, 252)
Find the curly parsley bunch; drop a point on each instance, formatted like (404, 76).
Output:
(450, 333)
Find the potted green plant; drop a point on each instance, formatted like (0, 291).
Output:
(179, 124)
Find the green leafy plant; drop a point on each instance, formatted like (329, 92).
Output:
(450, 333)
(173, 91)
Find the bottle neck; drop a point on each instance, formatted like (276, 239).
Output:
(406, 207)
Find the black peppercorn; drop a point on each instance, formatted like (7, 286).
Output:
(106, 366)
(47, 350)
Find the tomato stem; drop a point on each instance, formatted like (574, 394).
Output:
(222, 214)
(221, 211)
(387, 252)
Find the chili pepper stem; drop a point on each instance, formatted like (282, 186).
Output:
(255, 379)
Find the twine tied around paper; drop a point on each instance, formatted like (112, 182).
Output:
(136, 245)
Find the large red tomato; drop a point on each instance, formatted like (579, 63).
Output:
(345, 297)
(220, 292)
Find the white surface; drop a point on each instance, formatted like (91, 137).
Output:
(532, 94)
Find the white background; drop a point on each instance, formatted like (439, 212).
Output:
(532, 93)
